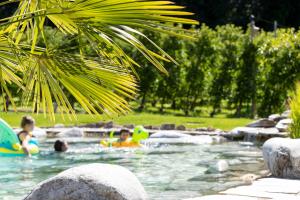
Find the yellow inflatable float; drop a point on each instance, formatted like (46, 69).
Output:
(9, 142)
(139, 133)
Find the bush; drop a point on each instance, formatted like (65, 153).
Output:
(295, 113)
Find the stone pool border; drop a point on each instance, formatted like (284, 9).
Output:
(264, 188)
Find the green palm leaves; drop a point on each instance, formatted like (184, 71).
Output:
(101, 84)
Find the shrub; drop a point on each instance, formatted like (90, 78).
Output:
(295, 113)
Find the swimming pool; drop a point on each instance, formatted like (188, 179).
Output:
(167, 171)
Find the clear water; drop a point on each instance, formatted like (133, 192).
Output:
(169, 172)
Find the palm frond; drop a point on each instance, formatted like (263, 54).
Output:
(100, 85)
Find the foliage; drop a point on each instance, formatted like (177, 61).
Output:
(295, 113)
(100, 84)
(223, 68)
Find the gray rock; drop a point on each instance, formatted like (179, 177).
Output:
(167, 127)
(268, 131)
(254, 134)
(263, 123)
(201, 129)
(218, 167)
(286, 114)
(282, 157)
(72, 132)
(221, 166)
(283, 125)
(108, 125)
(148, 127)
(240, 132)
(93, 125)
(59, 126)
(181, 128)
(91, 182)
(129, 126)
(155, 127)
(276, 117)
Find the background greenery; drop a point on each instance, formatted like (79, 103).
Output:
(220, 69)
(223, 68)
(222, 73)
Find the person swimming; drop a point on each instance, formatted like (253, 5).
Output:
(27, 125)
(124, 135)
(60, 146)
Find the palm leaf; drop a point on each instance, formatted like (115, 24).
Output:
(102, 84)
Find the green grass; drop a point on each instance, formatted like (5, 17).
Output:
(220, 121)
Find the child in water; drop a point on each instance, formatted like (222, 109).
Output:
(27, 125)
(124, 135)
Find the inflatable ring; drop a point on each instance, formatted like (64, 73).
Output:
(139, 133)
(114, 143)
(33, 149)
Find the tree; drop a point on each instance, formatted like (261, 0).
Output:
(279, 58)
(200, 58)
(99, 83)
(225, 65)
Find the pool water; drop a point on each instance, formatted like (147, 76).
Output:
(167, 171)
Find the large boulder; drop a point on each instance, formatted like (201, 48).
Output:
(252, 134)
(282, 157)
(262, 123)
(92, 182)
(283, 125)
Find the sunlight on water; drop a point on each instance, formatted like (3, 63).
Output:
(167, 171)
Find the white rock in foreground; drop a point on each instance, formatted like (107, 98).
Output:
(92, 182)
(282, 157)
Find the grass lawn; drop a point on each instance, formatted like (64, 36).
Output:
(220, 121)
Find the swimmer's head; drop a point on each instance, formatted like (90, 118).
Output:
(60, 146)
